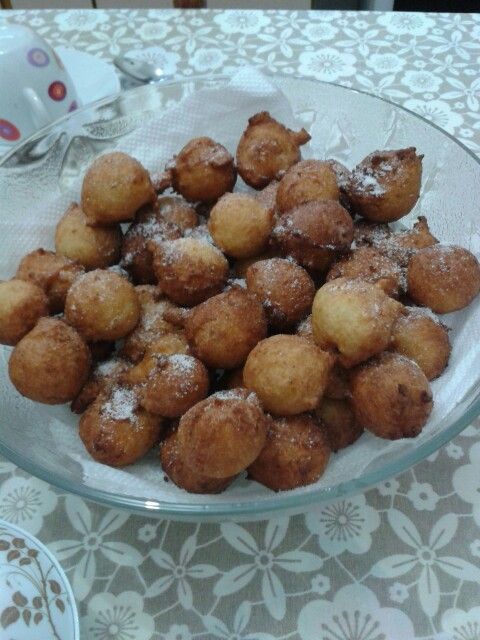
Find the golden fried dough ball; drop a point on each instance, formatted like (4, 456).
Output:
(391, 397)
(368, 264)
(177, 211)
(115, 186)
(202, 171)
(268, 196)
(224, 329)
(296, 454)
(189, 270)
(174, 385)
(102, 305)
(149, 225)
(170, 343)
(370, 234)
(240, 267)
(223, 434)
(174, 464)
(338, 420)
(444, 278)
(240, 225)
(424, 340)
(116, 430)
(313, 232)
(386, 184)
(306, 181)
(288, 373)
(92, 247)
(353, 317)
(283, 287)
(22, 303)
(338, 385)
(51, 363)
(267, 149)
(103, 378)
(151, 325)
(52, 273)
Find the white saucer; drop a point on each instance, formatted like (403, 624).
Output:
(36, 600)
(93, 79)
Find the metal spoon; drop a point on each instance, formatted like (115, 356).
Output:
(141, 70)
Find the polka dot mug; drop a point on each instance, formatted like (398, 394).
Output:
(35, 88)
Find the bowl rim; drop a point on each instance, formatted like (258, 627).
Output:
(277, 502)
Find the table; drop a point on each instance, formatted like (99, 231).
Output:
(401, 560)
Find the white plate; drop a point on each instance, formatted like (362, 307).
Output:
(93, 78)
(36, 600)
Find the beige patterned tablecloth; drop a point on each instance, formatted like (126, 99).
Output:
(400, 561)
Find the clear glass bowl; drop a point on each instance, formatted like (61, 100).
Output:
(345, 124)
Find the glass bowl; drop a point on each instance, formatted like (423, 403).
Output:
(346, 125)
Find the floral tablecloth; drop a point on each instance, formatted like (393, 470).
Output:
(401, 561)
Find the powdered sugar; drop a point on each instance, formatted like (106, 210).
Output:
(121, 405)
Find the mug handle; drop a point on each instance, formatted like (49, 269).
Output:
(40, 115)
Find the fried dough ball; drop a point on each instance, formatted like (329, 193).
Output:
(370, 234)
(391, 397)
(149, 225)
(284, 288)
(102, 305)
(296, 454)
(369, 265)
(386, 184)
(51, 363)
(189, 270)
(223, 434)
(240, 267)
(175, 384)
(103, 378)
(182, 474)
(115, 186)
(224, 329)
(170, 343)
(22, 303)
(313, 232)
(92, 247)
(399, 246)
(178, 212)
(444, 278)
(116, 430)
(267, 149)
(288, 373)
(203, 171)
(240, 225)
(151, 325)
(52, 273)
(268, 196)
(306, 181)
(353, 317)
(338, 420)
(424, 340)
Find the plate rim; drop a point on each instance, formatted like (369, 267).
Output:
(277, 502)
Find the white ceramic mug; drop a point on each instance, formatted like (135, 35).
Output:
(35, 89)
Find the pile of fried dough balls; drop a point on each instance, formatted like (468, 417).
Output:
(253, 331)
